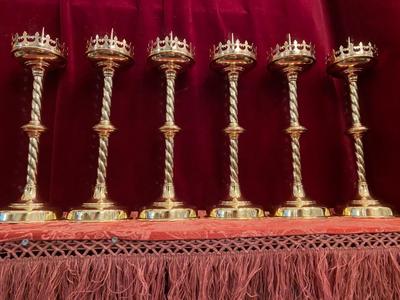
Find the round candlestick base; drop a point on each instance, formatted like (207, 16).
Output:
(236, 209)
(27, 216)
(302, 208)
(306, 212)
(167, 210)
(100, 211)
(97, 215)
(367, 211)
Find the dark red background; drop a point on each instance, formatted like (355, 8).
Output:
(71, 104)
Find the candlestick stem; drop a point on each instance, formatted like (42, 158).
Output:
(233, 132)
(104, 128)
(295, 131)
(34, 128)
(357, 131)
(169, 129)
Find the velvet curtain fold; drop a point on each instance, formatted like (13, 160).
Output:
(71, 104)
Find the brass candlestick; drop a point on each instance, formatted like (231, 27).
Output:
(170, 55)
(291, 59)
(40, 53)
(348, 62)
(108, 53)
(232, 58)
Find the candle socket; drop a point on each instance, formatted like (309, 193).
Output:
(232, 58)
(347, 62)
(108, 54)
(291, 59)
(171, 55)
(40, 53)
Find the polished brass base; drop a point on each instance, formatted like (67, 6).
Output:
(377, 211)
(302, 207)
(27, 216)
(232, 209)
(100, 211)
(96, 215)
(28, 212)
(165, 214)
(167, 211)
(302, 212)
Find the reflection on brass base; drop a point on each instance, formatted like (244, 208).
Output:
(233, 209)
(28, 216)
(27, 211)
(96, 215)
(97, 212)
(167, 211)
(302, 212)
(373, 211)
(302, 207)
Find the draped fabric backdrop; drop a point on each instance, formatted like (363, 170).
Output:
(72, 102)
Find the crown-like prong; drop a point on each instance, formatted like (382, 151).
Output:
(109, 48)
(170, 49)
(233, 52)
(291, 53)
(355, 56)
(27, 47)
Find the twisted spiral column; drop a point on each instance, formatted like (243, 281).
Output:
(38, 74)
(169, 130)
(107, 93)
(357, 131)
(234, 129)
(355, 108)
(293, 106)
(170, 96)
(104, 128)
(34, 129)
(295, 131)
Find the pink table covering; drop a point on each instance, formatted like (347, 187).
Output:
(194, 229)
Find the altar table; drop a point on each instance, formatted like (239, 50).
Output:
(272, 258)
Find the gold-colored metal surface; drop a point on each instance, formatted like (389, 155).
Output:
(26, 216)
(39, 53)
(232, 58)
(167, 210)
(170, 55)
(108, 53)
(97, 215)
(291, 59)
(302, 212)
(236, 209)
(348, 62)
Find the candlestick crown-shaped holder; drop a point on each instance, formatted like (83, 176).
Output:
(108, 53)
(290, 59)
(233, 54)
(348, 62)
(352, 58)
(231, 58)
(40, 53)
(106, 49)
(38, 49)
(292, 55)
(170, 55)
(170, 51)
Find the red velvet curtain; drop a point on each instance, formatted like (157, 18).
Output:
(71, 103)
